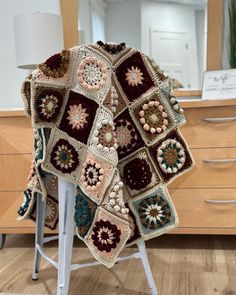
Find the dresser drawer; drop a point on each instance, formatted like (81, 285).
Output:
(200, 133)
(194, 211)
(210, 171)
(16, 135)
(14, 172)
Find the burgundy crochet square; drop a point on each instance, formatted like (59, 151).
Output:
(79, 116)
(64, 156)
(134, 77)
(127, 135)
(47, 103)
(138, 173)
(171, 156)
(52, 214)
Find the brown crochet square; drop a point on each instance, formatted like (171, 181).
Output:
(79, 116)
(170, 156)
(127, 135)
(47, 103)
(51, 217)
(138, 173)
(134, 77)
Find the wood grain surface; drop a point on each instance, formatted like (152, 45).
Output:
(181, 265)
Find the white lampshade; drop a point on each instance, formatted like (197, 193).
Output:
(37, 36)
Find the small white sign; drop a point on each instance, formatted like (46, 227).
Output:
(219, 84)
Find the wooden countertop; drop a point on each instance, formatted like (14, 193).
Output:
(12, 113)
(199, 103)
(185, 104)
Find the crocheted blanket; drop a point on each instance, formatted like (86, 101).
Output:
(105, 119)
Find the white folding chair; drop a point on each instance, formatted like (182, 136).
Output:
(66, 193)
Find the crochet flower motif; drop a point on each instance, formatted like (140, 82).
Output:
(105, 235)
(92, 73)
(51, 211)
(154, 212)
(49, 105)
(126, 136)
(153, 117)
(92, 175)
(171, 156)
(138, 180)
(134, 76)
(84, 213)
(64, 156)
(77, 116)
(116, 198)
(104, 136)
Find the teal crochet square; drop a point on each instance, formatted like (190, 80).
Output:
(85, 210)
(154, 212)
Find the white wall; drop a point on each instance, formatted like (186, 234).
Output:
(11, 77)
(201, 44)
(85, 22)
(170, 16)
(123, 22)
(225, 39)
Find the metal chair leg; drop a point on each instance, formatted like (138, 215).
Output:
(146, 266)
(39, 235)
(66, 194)
(2, 240)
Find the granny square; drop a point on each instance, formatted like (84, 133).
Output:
(51, 214)
(127, 135)
(95, 176)
(64, 156)
(113, 200)
(171, 156)
(47, 101)
(51, 184)
(118, 101)
(154, 212)
(134, 77)
(174, 106)
(152, 117)
(78, 117)
(138, 172)
(85, 210)
(102, 139)
(107, 237)
(92, 76)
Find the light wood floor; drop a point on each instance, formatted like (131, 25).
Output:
(182, 265)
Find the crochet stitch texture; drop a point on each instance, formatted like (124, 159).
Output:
(105, 120)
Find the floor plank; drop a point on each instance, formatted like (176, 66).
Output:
(182, 265)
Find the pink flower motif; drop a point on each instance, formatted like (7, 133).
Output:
(134, 76)
(77, 116)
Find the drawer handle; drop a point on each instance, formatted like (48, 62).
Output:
(223, 161)
(219, 120)
(220, 201)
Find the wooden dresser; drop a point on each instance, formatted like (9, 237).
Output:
(205, 198)
(199, 195)
(16, 146)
